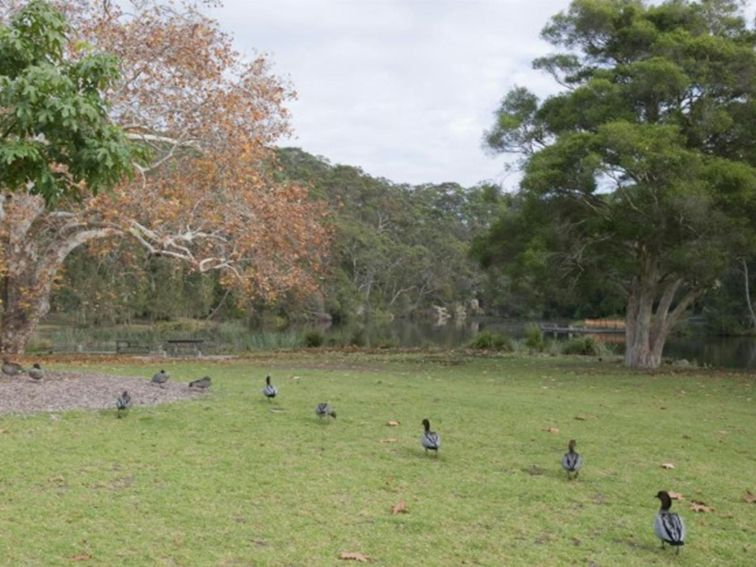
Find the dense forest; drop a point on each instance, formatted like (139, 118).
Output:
(397, 251)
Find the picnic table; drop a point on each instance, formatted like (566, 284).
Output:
(178, 347)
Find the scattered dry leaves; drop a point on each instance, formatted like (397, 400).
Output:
(354, 556)
(389, 440)
(392, 422)
(552, 429)
(675, 495)
(749, 497)
(697, 506)
(81, 557)
(399, 508)
(667, 466)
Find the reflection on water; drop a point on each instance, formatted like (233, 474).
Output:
(724, 352)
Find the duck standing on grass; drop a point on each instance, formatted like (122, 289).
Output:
(668, 526)
(324, 410)
(201, 384)
(430, 440)
(36, 372)
(11, 368)
(572, 461)
(269, 391)
(123, 403)
(160, 378)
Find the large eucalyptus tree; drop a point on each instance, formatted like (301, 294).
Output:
(640, 173)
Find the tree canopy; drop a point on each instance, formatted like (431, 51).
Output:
(55, 132)
(640, 175)
(205, 117)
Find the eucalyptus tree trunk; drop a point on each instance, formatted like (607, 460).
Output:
(650, 316)
(746, 277)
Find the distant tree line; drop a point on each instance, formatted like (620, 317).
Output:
(397, 250)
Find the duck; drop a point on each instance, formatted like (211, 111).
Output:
(201, 384)
(160, 378)
(36, 372)
(668, 526)
(572, 461)
(11, 368)
(430, 440)
(123, 403)
(269, 391)
(324, 410)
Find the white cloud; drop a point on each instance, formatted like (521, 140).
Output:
(402, 88)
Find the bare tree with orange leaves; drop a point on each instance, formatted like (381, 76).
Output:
(207, 192)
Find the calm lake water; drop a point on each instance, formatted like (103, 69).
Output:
(720, 352)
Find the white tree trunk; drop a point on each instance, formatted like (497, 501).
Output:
(748, 293)
(646, 329)
(29, 278)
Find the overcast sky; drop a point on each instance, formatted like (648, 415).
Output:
(401, 88)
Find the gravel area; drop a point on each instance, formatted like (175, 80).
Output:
(60, 391)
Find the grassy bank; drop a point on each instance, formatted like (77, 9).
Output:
(226, 480)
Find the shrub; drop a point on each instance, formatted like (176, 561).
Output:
(313, 339)
(534, 338)
(491, 341)
(358, 338)
(585, 345)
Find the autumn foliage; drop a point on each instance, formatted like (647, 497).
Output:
(205, 191)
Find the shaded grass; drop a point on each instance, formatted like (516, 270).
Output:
(225, 480)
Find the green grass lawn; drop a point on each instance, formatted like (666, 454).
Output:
(225, 480)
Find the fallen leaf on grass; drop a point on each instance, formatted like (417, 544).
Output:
(354, 556)
(534, 470)
(552, 429)
(389, 440)
(392, 423)
(675, 495)
(697, 506)
(749, 497)
(81, 557)
(399, 508)
(580, 418)
(667, 466)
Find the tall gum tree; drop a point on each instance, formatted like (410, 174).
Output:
(203, 192)
(641, 173)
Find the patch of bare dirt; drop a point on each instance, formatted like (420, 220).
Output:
(60, 391)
